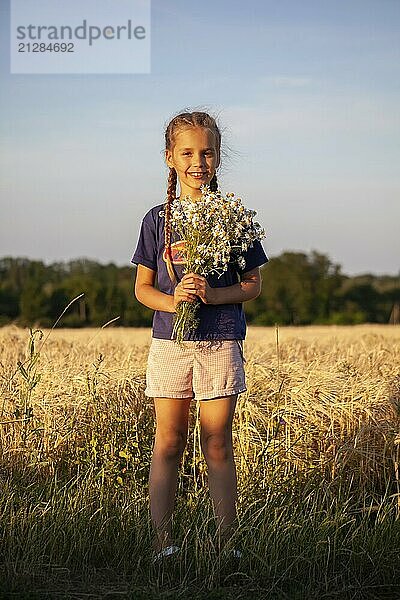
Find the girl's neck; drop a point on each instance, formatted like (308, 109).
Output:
(194, 198)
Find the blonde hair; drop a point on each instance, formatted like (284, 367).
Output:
(183, 120)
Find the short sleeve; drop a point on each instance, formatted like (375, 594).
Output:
(146, 249)
(254, 257)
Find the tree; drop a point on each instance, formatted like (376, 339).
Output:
(297, 289)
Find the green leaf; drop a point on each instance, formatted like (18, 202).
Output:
(23, 370)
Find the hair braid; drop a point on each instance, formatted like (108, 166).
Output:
(171, 193)
(214, 183)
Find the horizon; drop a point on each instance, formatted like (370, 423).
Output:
(49, 263)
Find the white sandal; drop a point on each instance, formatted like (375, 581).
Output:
(168, 551)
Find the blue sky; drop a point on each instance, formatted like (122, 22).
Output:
(306, 93)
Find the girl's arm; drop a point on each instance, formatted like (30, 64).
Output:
(248, 288)
(148, 295)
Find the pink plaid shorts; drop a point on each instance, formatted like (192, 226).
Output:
(201, 370)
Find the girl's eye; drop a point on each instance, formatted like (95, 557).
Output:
(209, 152)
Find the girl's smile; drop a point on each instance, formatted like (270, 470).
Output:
(198, 175)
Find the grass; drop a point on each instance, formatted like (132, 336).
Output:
(316, 436)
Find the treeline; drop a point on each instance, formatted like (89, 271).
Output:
(298, 289)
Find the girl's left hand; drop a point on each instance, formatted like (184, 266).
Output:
(197, 284)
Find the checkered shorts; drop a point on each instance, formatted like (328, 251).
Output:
(201, 369)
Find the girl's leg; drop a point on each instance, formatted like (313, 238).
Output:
(216, 418)
(170, 441)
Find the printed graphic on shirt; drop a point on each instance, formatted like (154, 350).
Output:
(177, 253)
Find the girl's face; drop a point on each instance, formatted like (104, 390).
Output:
(195, 157)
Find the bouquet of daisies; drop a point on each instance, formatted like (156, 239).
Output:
(217, 230)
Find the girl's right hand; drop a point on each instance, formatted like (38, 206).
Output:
(180, 295)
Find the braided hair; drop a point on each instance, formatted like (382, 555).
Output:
(183, 120)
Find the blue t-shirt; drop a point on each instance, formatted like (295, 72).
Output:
(217, 321)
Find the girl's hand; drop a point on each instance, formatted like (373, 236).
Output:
(181, 294)
(198, 285)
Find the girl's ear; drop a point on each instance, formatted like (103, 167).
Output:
(168, 158)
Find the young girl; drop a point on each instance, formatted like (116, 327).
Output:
(210, 366)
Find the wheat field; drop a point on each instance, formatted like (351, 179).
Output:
(317, 450)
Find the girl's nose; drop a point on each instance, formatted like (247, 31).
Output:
(198, 161)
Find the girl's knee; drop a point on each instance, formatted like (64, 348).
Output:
(171, 444)
(217, 447)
